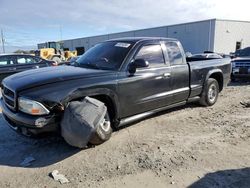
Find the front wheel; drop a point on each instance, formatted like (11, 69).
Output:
(103, 131)
(210, 92)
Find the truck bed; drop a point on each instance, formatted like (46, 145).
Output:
(199, 68)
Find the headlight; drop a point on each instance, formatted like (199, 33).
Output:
(31, 107)
(233, 64)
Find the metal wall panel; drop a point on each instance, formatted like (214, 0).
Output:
(154, 32)
(121, 35)
(68, 44)
(41, 45)
(97, 39)
(84, 42)
(195, 37)
(227, 33)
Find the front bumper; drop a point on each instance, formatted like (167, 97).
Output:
(27, 123)
(238, 75)
(241, 72)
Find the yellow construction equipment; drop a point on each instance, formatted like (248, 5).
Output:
(54, 51)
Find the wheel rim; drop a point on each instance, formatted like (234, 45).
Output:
(212, 93)
(105, 124)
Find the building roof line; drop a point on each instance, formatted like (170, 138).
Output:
(244, 21)
(137, 30)
(143, 29)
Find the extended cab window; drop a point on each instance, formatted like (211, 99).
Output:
(174, 53)
(151, 53)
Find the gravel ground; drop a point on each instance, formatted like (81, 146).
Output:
(190, 146)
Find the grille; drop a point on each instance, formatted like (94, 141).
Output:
(9, 97)
(242, 64)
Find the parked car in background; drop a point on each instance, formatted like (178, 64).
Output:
(245, 52)
(240, 68)
(13, 63)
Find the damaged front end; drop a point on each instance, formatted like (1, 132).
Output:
(28, 124)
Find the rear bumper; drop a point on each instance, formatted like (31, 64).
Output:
(34, 124)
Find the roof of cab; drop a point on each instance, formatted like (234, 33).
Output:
(13, 54)
(138, 39)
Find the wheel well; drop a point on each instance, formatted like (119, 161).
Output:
(219, 77)
(109, 103)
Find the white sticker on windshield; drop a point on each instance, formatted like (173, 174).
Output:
(122, 44)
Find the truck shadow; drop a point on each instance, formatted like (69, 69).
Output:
(47, 150)
(234, 178)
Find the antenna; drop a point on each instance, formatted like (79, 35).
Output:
(60, 27)
(2, 39)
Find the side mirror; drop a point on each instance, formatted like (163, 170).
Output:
(138, 63)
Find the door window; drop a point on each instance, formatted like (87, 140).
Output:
(21, 60)
(31, 60)
(151, 53)
(24, 60)
(6, 61)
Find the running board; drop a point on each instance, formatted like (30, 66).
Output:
(146, 114)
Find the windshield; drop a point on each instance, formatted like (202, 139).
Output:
(107, 56)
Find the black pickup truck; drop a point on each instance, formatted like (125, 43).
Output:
(134, 77)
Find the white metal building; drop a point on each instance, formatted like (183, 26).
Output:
(222, 36)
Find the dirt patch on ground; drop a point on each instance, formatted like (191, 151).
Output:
(187, 146)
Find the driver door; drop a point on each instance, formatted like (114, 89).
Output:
(149, 87)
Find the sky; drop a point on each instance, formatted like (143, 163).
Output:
(28, 22)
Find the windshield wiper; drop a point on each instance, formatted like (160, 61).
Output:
(94, 66)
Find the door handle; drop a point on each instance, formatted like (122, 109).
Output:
(166, 75)
(36, 67)
(12, 69)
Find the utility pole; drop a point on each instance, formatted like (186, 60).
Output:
(2, 39)
(60, 32)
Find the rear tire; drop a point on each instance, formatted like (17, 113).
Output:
(103, 131)
(210, 93)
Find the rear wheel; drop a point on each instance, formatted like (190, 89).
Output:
(210, 92)
(103, 131)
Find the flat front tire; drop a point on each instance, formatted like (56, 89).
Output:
(103, 131)
(210, 93)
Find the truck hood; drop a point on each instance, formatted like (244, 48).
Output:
(48, 75)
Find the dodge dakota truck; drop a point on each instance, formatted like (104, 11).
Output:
(133, 77)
